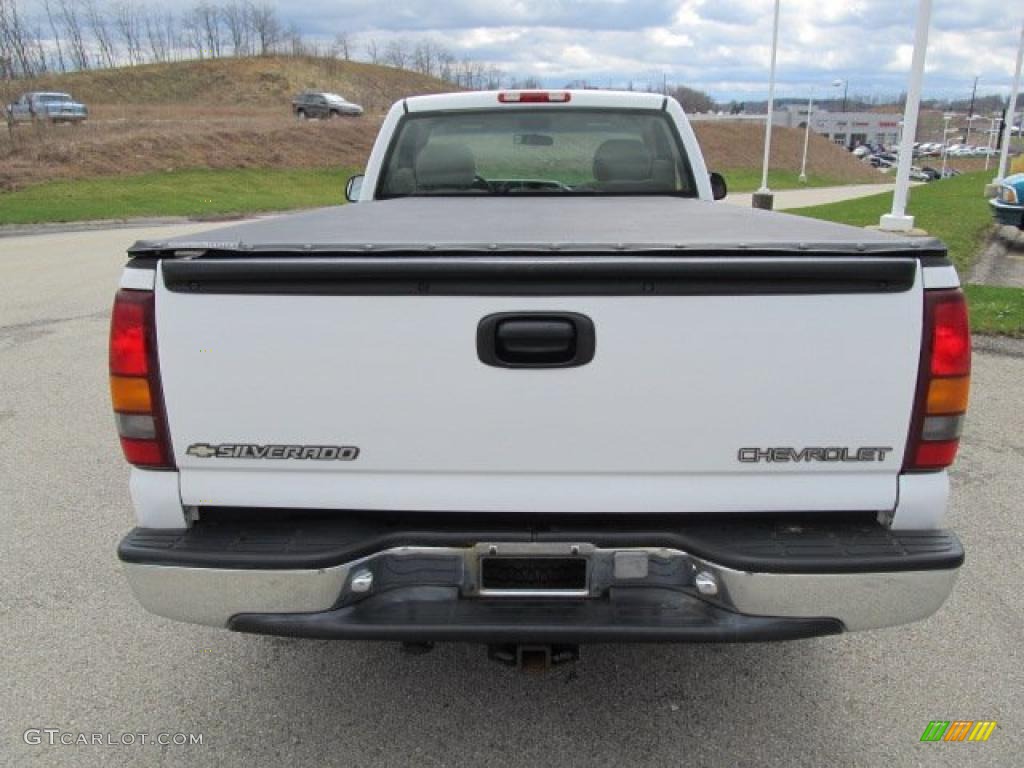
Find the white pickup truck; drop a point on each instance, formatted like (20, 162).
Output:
(538, 389)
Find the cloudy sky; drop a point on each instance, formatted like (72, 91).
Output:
(718, 45)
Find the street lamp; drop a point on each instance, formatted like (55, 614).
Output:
(970, 109)
(946, 130)
(992, 131)
(807, 130)
(1011, 113)
(898, 220)
(763, 197)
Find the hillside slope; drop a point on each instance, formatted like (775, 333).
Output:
(235, 113)
(732, 145)
(268, 81)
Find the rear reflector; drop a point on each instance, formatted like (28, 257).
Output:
(135, 391)
(935, 456)
(943, 385)
(534, 97)
(142, 453)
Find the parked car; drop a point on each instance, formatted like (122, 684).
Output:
(919, 174)
(54, 107)
(1008, 205)
(324, 105)
(515, 427)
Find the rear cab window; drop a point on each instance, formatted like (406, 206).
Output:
(543, 151)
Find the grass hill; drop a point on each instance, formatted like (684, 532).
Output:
(231, 115)
(268, 81)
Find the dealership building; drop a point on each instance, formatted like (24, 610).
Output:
(849, 129)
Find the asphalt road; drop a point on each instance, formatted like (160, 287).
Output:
(80, 656)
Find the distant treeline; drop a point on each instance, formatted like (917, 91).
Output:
(75, 35)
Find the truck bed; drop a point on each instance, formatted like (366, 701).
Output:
(546, 224)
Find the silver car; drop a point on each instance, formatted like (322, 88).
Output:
(326, 105)
(54, 107)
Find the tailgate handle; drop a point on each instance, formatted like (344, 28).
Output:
(535, 340)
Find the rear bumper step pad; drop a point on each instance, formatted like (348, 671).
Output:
(795, 544)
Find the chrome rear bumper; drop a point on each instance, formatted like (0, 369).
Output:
(429, 592)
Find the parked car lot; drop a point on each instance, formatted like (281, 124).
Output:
(88, 658)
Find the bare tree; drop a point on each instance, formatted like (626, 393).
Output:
(266, 28)
(71, 21)
(129, 28)
(193, 37)
(161, 34)
(17, 48)
(236, 19)
(55, 33)
(101, 34)
(396, 54)
(207, 19)
(373, 51)
(344, 44)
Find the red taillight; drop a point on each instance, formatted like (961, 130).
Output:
(127, 334)
(951, 339)
(135, 381)
(943, 384)
(534, 97)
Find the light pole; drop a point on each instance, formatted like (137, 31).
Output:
(970, 109)
(1004, 157)
(992, 139)
(945, 141)
(807, 131)
(898, 220)
(763, 197)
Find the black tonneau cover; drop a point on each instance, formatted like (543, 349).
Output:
(539, 224)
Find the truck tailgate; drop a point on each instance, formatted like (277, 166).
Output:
(716, 385)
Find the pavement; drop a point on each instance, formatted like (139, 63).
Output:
(802, 198)
(1001, 262)
(81, 656)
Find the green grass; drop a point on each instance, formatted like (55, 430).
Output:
(996, 309)
(742, 180)
(957, 213)
(953, 210)
(175, 193)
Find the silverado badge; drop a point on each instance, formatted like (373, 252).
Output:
(252, 451)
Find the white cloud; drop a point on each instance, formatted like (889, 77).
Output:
(718, 45)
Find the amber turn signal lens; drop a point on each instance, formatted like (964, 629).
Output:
(130, 394)
(948, 395)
